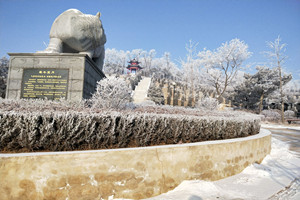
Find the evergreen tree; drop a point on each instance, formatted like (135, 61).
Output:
(257, 87)
(3, 75)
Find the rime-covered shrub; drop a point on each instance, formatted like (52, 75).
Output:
(146, 103)
(289, 114)
(61, 131)
(208, 103)
(155, 93)
(3, 76)
(271, 115)
(133, 80)
(40, 105)
(2, 87)
(111, 93)
(39, 125)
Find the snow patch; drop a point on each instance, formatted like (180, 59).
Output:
(278, 126)
(257, 170)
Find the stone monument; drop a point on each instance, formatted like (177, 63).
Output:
(68, 68)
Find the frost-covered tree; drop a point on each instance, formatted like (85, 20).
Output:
(293, 87)
(278, 57)
(3, 75)
(163, 67)
(292, 91)
(135, 54)
(3, 66)
(115, 61)
(190, 65)
(191, 70)
(257, 87)
(208, 103)
(160, 67)
(289, 114)
(156, 94)
(271, 115)
(111, 92)
(222, 65)
(146, 59)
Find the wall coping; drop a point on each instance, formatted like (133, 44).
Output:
(48, 54)
(261, 134)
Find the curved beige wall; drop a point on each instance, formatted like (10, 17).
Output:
(132, 173)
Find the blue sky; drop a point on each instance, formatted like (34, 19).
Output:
(165, 25)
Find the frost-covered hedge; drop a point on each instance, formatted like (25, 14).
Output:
(208, 103)
(289, 114)
(111, 92)
(271, 115)
(80, 129)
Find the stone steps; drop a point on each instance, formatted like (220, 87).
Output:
(141, 90)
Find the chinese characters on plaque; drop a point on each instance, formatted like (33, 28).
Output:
(45, 83)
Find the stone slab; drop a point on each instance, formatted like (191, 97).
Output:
(81, 80)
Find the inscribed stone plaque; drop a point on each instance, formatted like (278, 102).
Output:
(45, 83)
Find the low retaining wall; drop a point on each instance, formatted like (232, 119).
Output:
(132, 173)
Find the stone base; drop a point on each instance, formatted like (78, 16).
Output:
(52, 76)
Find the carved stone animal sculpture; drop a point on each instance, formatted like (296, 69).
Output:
(75, 32)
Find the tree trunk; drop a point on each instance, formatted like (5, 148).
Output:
(281, 93)
(261, 102)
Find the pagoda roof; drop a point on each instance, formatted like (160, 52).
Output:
(134, 61)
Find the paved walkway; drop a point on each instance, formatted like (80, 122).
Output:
(292, 137)
(141, 90)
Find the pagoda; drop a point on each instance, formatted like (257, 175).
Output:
(133, 66)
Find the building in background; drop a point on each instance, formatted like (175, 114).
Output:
(133, 67)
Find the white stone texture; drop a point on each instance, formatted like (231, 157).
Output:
(75, 32)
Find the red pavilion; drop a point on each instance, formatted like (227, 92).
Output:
(133, 66)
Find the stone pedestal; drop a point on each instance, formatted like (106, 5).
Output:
(52, 76)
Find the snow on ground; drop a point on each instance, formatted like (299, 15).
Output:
(280, 126)
(277, 177)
